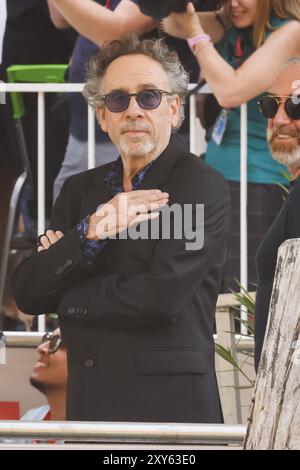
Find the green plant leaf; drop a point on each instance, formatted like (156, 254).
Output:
(226, 354)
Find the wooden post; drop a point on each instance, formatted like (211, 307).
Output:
(274, 421)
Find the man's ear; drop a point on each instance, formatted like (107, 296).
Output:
(101, 118)
(175, 107)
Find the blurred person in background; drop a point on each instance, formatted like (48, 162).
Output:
(282, 109)
(31, 38)
(96, 22)
(239, 61)
(49, 376)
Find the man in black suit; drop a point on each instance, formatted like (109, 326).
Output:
(282, 108)
(136, 313)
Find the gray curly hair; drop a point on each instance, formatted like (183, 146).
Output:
(130, 44)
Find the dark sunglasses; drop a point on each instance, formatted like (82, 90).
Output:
(118, 101)
(269, 106)
(55, 342)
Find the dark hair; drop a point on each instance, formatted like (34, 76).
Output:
(156, 49)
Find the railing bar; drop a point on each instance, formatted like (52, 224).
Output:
(41, 181)
(41, 87)
(243, 211)
(48, 87)
(124, 432)
(32, 339)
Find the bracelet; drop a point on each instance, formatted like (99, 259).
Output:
(197, 48)
(196, 39)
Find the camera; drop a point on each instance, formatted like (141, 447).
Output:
(160, 9)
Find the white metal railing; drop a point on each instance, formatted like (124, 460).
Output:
(226, 304)
(243, 211)
(24, 339)
(42, 88)
(162, 433)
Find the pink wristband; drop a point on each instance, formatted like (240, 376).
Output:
(201, 37)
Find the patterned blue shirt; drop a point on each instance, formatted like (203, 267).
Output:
(114, 181)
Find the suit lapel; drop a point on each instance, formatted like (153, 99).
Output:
(160, 171)
(155, 177)
(98, 193)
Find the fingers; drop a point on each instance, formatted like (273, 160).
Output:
(44, 242)
(141, 217)
(145, 202)
(59, 234)
(134, 201)
(48, 239)
(146, 207)
(190, 8)
(52, 236)
(123, 210)
(146, 195)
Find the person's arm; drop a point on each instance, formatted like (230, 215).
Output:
(44, 276)
(99, 24)
(175, 24)
(56, 17)
(63, 258)
(158, 295)
(256, 75)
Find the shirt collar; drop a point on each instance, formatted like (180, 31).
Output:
(157, 174)
(114, 178)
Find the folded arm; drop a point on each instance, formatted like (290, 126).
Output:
(68, 250)
(40, 280)
(158, 295)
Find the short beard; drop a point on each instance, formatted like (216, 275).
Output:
(286, 154)
(142, 150)
(40, 386)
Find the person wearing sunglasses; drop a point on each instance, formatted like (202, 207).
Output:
(49, 376)
(96, 21)
(281, 106)
(136, 312)
(239, 61)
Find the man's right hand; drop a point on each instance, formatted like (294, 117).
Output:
(123, 211)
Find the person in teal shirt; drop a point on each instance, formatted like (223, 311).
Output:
(241, 49)
(235, 48)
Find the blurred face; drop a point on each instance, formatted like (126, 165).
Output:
(137, 132)
(50, 371)
(283, 133)
(243, 13)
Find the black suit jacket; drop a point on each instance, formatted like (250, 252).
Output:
(285, 226)
(138, 324)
